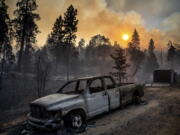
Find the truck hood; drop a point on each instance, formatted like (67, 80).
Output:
(54, 99)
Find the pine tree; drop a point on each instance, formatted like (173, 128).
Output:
(25, 27)
(6, 54)
(70, 24)
(121, 65)
(98, 48)
(81, 43)
(81, 49)
(136, 56)
(57, 35)
(171, 54)
(70, 29)
(151, 48)
(55, 40)
(152, 56)
(135, 40)
(151, 61)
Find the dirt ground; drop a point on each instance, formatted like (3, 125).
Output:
(160, 116)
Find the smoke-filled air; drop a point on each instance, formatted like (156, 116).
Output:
(46, 43)
(157, 19)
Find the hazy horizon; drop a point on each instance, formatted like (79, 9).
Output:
(157, 19)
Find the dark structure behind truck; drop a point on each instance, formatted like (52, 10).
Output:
(165, 76)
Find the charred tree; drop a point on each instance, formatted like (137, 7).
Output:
(136, 56)
(151, 62)
(55, 41)
(70, 29)
(25, 27)
(120, 63)
(42, 71)
(171, 54)
(7, 57)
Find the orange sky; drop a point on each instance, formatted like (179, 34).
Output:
(95, 18)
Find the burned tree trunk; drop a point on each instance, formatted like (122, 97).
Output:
(42, 72)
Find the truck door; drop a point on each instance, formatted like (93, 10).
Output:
(113, 93)
(97, 98)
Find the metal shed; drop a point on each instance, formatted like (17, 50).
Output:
(165, 76)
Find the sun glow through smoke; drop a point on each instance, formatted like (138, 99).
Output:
(125, 37)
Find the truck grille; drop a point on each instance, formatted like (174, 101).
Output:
(39, 112)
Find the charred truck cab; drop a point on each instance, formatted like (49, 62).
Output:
(80, 100)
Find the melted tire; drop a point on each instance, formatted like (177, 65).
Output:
(69, 122)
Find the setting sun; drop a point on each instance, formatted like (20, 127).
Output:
(125, 37)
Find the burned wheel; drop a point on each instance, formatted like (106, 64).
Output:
(76, 121)
(136, 100)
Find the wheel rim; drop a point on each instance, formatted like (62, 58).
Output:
(77, 121)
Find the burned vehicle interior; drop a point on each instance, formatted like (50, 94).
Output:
(95, 84)
(73, 87)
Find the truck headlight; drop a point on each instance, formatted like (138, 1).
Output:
(55, 115)
(55, 119)
(58, 115)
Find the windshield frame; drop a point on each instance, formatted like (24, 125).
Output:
(76, 91)
(63, 86)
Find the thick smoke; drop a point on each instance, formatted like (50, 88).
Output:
(172, 26)
(112, 18)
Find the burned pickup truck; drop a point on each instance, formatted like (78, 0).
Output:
(80, 100)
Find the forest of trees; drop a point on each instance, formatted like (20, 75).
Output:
(28, 71)
(63, 56)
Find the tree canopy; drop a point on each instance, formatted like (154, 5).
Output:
(26, 28)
